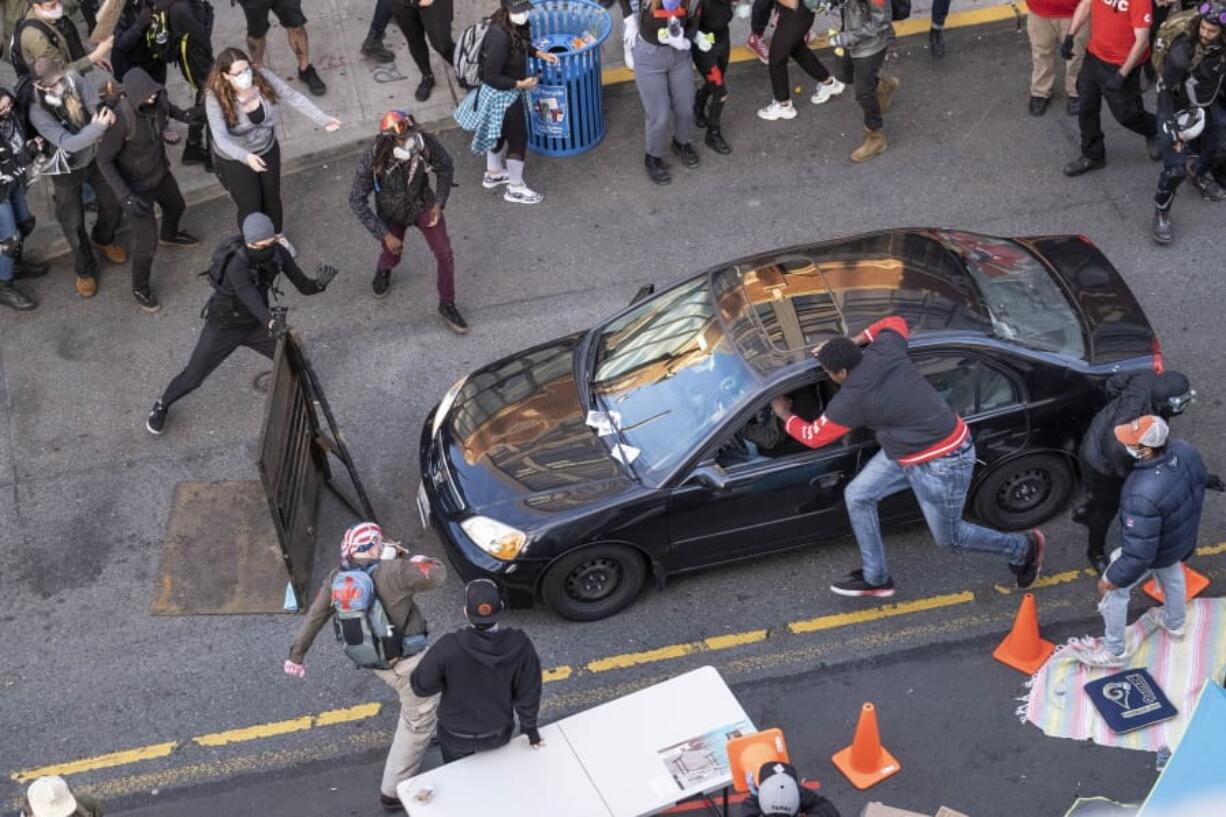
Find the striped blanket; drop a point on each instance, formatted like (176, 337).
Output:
(1057, 705)
(481, 113)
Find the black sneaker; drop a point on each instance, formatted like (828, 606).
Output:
(311, 77)
(374, 48)
(1083, 164)
(936, 42)
(382, 283)
(687, 154)
(452, 317)
(146, 300)
(1038, 105)
(855, 585)
(657, 171)
(715, 141)
(390, 803)
(1029, 569)
(180, 239)
(15, 298)
(424, 88)
(156, 421)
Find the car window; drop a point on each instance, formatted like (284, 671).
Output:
(969, 385)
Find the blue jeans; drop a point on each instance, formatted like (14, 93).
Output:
(940, 487)
(1114, 605)
(13, 211)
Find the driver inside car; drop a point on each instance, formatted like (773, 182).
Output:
(764, 432)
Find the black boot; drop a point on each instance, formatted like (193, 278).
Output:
(715, 137)
(657, 171)
(701, 97)
(14, 298)
(24, 267)
(936, 42)
(424, 88)
(374, 48)
(195, 154)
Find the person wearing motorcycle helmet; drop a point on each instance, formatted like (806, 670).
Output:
(1190, 113)
(397, 579)
(395, 168)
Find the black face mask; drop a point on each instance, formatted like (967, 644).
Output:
(263, 255)
(147, 107)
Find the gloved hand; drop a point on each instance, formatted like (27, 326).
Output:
(324, 274)
(1115, 82)
(277, 327)
(674, 34)
(1214, 483)
(630, 33)
(136, 207)
(294, 670)
(705, 42)
(1066, 47)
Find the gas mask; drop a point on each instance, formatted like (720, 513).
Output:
(411, 147)
(518, 18)
(54, 96)
(243, 81)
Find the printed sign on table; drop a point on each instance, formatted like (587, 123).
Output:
(700, 759)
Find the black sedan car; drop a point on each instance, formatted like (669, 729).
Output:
(573, 471)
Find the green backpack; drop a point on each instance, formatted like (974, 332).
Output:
(1176, 25)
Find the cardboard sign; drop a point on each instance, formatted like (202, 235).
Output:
(1130, 700)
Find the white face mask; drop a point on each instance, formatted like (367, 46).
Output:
(243, 81)
(1135, 453)
(519, 19)
(52, 13)
(403, 154)
(54, 100)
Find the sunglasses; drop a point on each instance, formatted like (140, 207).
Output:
(1206, 11)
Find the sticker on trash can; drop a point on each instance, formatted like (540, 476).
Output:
(549, 111)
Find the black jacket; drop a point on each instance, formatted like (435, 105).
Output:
(16, 152)
(400, 197)
(1160, 511)
(1205, 71)
(131, 48)
(242, 297)
(483, 676)
(132, 155)
(191, 27)
(504, 63)
(1130, 395)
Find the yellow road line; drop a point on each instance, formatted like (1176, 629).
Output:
(1211, 550)
(90, 764)
(556, 674)
(261, 730)
(719, 642)
(830, 622)
(903, 28)
(353, 713)
(1049, 581)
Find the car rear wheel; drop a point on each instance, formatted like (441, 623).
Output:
(1024, 492)
(594, 582)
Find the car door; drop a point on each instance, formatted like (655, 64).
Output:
(767, 504)
(987, 395)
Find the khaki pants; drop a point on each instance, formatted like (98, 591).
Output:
(414, 728)
(1046, 34)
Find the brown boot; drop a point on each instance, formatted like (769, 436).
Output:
(874, 145)
(886, 86)
(87, 286)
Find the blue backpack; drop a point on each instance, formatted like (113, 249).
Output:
(370, 639)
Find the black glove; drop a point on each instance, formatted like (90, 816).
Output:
(1066, 47)
(137, 207)
(277, 327)
(1115, 83)
(195, 115)
(1214, 483)
(324, 274)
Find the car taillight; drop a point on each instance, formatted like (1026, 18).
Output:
(1155, 346)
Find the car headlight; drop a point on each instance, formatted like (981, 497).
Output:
(498, 540)
(444, 405)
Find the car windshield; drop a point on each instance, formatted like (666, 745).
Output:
(667, 373)
(1025, 303)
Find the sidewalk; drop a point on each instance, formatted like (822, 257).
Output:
(946, 713)
(361, 90)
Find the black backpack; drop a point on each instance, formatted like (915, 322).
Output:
(216, 273)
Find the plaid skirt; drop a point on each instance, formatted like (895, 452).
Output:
(481, 113)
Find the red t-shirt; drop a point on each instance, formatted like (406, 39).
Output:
(1111, 27)
(1052, 9)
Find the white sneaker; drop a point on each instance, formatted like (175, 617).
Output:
(1157, 617)
(1093, 652)
(492, 180)
(521, 195)
(826, 90)
(777, 110)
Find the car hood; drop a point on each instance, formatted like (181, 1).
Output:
(1115, 324)
(516, 440)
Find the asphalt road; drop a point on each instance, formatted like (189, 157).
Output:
(86, 671)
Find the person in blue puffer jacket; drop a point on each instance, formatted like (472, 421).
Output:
(1160, 510)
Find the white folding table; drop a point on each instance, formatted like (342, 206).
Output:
(607, 761)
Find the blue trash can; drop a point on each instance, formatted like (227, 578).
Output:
(566, 108)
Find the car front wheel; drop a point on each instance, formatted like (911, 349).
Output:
(1024, 492)
(594, 582)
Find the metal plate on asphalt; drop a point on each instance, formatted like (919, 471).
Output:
(423, 506)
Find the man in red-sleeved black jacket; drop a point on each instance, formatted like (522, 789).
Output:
(924, 446)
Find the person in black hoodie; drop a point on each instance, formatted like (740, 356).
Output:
(1104, 462)
(16, 222)
(132, 158)
(711, 51)
(190, 27)
(484, 673)
(243, 270)
(395, 168)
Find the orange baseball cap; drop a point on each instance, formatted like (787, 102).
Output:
(1149, 431)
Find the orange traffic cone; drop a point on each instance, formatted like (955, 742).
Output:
(866, 762)
(1196, 583)
(1023, 648)
(749, 753)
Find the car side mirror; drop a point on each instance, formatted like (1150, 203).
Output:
(710, 475)
(645, 291)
